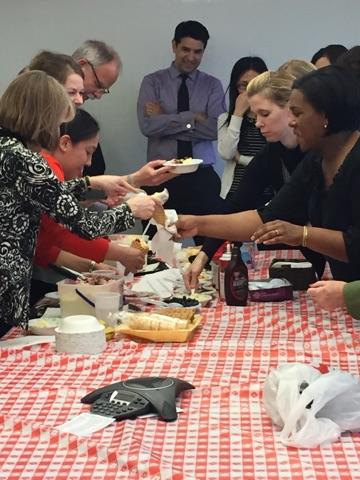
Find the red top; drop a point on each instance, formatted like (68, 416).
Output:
(53, 238)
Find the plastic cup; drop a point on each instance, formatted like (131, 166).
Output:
(106, 304)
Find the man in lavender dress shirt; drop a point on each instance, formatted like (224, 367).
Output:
(166, 126)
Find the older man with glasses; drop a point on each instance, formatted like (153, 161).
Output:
(101, 65)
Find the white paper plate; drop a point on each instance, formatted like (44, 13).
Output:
(43, 326)
(187, 167)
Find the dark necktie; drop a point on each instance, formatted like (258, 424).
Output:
(184, 148)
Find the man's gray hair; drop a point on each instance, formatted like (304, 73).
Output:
(97, 53)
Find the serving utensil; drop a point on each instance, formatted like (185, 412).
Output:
(67, 272)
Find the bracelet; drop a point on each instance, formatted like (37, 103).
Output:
(305, 236)
(92, 266)
(87, 181)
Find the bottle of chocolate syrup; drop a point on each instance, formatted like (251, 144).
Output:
(236, 278)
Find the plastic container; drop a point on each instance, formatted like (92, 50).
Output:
(300, 273)
(223, 263)
(270, 290)
(71, 303)
(215, 266)
(248, 250)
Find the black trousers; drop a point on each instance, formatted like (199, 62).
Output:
(196, 193)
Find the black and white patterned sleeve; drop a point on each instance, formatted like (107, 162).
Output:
(37, 184)
(76, 187)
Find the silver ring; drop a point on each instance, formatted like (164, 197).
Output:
(276, 231)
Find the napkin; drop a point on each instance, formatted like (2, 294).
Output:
(21, 342)
(160, 283)
(162, 243)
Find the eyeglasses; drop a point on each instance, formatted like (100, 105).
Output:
(100, 87)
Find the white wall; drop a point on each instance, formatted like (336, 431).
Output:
(141, 31)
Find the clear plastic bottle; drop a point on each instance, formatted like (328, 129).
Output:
(215, 266)
(223, 263)
(236, 278)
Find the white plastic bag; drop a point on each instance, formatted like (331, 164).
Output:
(328, 405)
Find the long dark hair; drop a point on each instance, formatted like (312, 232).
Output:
(82, 127)
(331, 52)
(241, 66)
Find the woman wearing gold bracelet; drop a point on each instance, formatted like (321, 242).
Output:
(324, 191)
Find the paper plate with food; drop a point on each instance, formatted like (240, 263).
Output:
(46, 324)
(184, 165)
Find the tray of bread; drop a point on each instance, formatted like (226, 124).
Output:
(163, 325)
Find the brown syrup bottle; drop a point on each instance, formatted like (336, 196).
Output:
(236, 279)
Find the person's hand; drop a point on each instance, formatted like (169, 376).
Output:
(112, 202)
(142, 206)
(200, 117)
(328, 294)
(133, 260)
(154, 173)
(112, 185)
(241, 104)
(279, 231)
(186, 226)
(191, 275)
(153, 108)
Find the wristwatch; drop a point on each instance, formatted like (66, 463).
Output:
(92, 265)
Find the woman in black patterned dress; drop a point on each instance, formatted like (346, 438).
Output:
(31, 111)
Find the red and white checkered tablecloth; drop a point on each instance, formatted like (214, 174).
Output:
(223, 431)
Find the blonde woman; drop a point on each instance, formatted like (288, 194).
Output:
(268, 96)
(28, 187)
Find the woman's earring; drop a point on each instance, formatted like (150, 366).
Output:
(325, 125)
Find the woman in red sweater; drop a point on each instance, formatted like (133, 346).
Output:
(56, 244)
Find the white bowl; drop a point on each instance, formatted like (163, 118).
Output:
(188, 167)
(79, 324)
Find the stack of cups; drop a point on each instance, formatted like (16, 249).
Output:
(81, 334)
(106, 304)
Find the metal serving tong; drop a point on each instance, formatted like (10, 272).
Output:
(73, 275)
(67, 272)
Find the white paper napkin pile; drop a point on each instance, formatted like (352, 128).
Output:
(160, 283)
